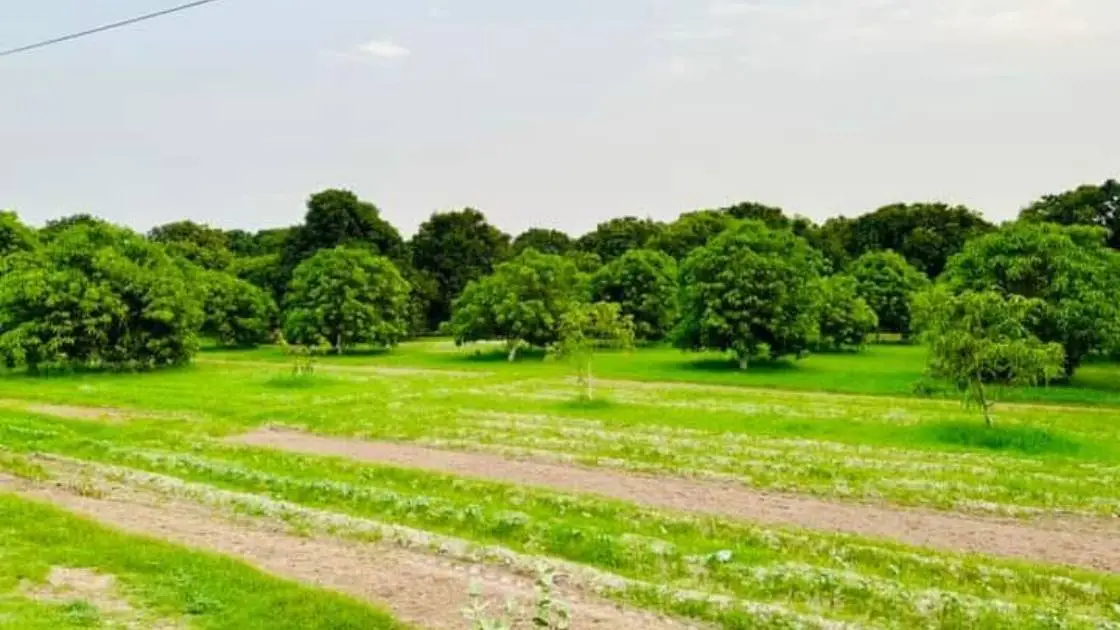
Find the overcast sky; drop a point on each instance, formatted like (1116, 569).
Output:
(557, 114)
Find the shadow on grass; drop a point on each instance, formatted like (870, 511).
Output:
(298, 381)
(491, 355)
(729, 366)
(1023, 439)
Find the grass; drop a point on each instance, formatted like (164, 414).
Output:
(205, 590)
(659, 412)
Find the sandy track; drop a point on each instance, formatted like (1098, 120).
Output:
(417, 588)
(1077, 542)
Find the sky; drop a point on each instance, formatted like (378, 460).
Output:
(554, 114)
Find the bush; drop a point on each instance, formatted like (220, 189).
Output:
(235, 312)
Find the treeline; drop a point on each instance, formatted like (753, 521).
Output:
(749, 279)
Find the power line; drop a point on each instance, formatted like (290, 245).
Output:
(106, 27)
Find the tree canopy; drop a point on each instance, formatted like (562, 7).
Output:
(203, 245)
(613, 238)
(14, 235)
(97, 296)
(644, 285)
(455, 248)
(887, 283)
(690, 231)
(235, 312)
(346, 296)
(522, 302)
(338, 217)
(752, 291)
(845, 318)
(1084, 205)
(543, 240)
(1068, 269)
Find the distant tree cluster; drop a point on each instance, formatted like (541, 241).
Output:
(748, 279)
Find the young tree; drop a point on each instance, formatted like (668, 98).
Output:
(586, 328)
(1068, 269)
(97, 296)
(845, 318)
(887, 283)
(347, 296)
(643, 283)
(235, 312)
(455, 248)
(751, 291)
(520, 303)
(977, 339)
(543, 240)
(613, 238)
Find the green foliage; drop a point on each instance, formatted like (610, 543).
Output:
(456, 248)
(543, 240)
(338, 218)
(265, 272)
(586, 328)
(523, 301)
(345, 296)
(887, 283)
(97, 296)
(202, 245)
(845, 318)
(925, 234)
(586, 262)
(14, 235)
(235, 312)
(1085, 205)
(690, 231)
(56, 226)
(1068, 270)
(751, 291)
(643, 283)
(614, 238)
(981, 338)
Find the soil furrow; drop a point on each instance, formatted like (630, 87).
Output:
(1073, 541)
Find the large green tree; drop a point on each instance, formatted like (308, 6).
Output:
(690, 231)
(1084, 205)
(235, 312)
(613, 238)
(455, 248)
(887, 283)
(543, 240)
(977, 339)
(338, 217)
(925, 234)
(522, 302)
(643, 283)
(97, 296)
(845, 318)
(1069, 270)
(203, 245)
(346, 296)
(752, 291)
(14, 235)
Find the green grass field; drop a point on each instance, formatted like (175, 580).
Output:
(840, 430)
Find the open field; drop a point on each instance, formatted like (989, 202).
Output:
(820, 494)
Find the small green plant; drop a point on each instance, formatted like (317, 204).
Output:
(547, 614)
(586, 328)
(304, 356)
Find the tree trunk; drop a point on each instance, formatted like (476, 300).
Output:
(744, 361)
(338, 343)
(512, 345)
(590, 392)
(984, 403)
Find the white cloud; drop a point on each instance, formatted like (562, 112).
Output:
(385, 49)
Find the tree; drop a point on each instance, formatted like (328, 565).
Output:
(774, 217)
(543, 240)
(925, 234)
(456, 248)
(614, 238)
(586, 328)
(347, 296)
(751, 291)
(522, 302)
(586, 262)
(203, 245)
(643, 283)
(845, 318)
(265, 272)
(887, 283)
(336, 218)
(97, 296)
(56, 226)
(14, 235)
(235, 312)
(690, 231)
(1068, 269)
(981, 338)
(1084, 205)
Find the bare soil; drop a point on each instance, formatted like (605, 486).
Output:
(426, 590)
(1073, 541)
(98, 590)
(69, 411)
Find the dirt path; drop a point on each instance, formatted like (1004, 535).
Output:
(417, 588)
(1078, 542)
